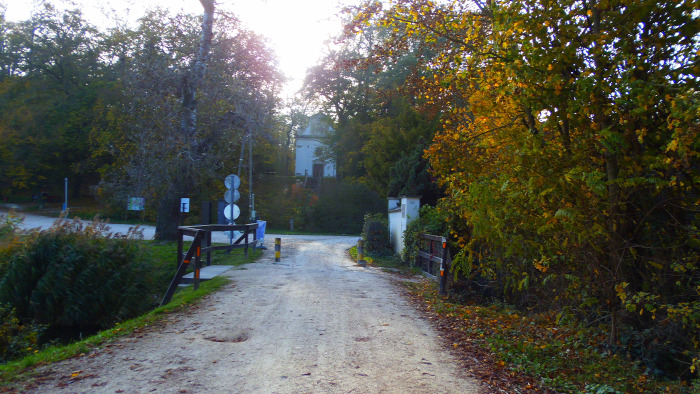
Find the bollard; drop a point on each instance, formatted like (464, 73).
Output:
(278, 249)
(361, 253)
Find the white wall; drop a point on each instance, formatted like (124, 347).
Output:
(305, 158)
(395, 234)
(399, 219)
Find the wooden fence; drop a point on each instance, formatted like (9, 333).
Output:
(434, 258)
(202, 244)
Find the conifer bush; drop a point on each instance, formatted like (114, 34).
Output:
(9, 241)
(375, 233)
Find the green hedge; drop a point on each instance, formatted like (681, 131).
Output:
(75, 278)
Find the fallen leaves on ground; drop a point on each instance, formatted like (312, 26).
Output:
(512, 352)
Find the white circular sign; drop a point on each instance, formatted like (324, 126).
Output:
(232, 181)
(232, 196)
(232, 214)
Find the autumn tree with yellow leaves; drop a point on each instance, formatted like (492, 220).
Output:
(569, 150)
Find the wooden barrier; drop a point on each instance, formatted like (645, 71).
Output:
(432, 246)
(202, 244)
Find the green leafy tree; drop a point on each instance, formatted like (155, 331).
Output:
(47, 89)
(372, 105)
(410, 176)
(141, 134)
(569, 146)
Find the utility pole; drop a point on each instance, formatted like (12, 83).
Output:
(250, 176)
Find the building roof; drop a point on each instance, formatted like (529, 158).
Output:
(318, 127)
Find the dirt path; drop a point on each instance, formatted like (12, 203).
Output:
(314, 322)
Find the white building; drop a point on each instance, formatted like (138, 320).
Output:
(310, 144)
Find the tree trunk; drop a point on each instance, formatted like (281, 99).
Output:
(168, 217)
(612, 170)
(169, 207)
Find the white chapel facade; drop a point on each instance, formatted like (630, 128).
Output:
(309, 144)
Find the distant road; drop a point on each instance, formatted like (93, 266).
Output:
(43, 222)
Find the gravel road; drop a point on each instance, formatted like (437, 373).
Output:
(313, 323)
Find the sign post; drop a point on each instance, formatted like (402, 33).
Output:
(135, 204)
(185, 205)
(65, 203)
(232, 212)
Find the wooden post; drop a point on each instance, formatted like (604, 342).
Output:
(206, 219)
(208, 248)
(182, 268)
(245, 234)
(278, 249)
(443, 268)
(180, 235)
(197, 265)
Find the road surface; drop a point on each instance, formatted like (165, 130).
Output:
(313, 323)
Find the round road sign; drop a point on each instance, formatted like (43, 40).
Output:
(232, 181)
(232, 196)
(232, 214)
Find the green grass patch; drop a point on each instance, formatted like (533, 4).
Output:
(392, 263)
(166, 252)
(564, 358)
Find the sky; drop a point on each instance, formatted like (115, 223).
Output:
(296, 29)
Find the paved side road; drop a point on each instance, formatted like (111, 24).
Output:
(43, 222)
(313, 323)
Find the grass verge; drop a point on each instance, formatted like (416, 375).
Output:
(390, 263)
(533, 352)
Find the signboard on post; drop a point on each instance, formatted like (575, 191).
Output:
(136, 204)
(185, 205)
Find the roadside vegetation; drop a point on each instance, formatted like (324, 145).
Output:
(75, 286)
(513, 349)
(566, 150)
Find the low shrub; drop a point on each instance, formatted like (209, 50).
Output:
(16, 339)
(430, 221)
(375, 233)
(76, 278)
(11, 238)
